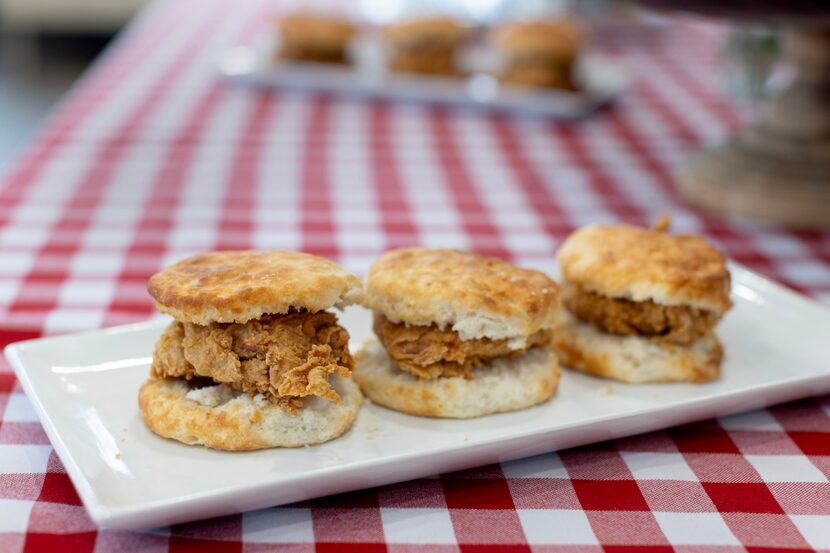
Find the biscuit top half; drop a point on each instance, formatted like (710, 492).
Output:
(478, 297)
(239, 286)
(555, 38)
(646, 264)
(443, 31)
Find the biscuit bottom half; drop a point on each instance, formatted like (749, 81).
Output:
(220, 417)
(499, 385)
(539, 72)
(634, 359)
(430, 60)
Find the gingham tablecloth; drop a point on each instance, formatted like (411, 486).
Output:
(152, 158)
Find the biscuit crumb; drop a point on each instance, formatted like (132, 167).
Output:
(663, 224)
(466, 438)
(606, 390)
(117, 455)
(372, 431)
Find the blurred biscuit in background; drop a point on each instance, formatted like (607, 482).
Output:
(315, 37)
(539, 53)
(427, 45)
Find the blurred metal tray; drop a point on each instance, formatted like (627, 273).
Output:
(601, 80)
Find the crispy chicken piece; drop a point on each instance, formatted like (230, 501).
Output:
(429, 352)
(285, 357)
(676, 324)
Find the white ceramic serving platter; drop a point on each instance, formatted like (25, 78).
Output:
(84, 389)
(602, 80)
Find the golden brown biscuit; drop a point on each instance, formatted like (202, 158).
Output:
(238, 286)
(634, 359)
(500, 385)
(640, 264)
(222, 418)
(478, 297)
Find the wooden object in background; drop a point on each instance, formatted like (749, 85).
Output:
(778, 170)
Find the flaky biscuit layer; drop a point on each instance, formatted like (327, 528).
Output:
(640, 264)
(499, 385)
(221, 418)
(476, 296)
(238, 286)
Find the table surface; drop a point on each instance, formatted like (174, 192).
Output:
(152, 158)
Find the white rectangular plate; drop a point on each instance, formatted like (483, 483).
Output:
(601, 78)
(84, 388)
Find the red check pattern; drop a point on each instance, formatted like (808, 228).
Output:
(152, 158)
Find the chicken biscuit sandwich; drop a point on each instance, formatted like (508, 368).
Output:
(253, 359)
(314, 37)
(539, 53)
(460, 335)
(641, 305)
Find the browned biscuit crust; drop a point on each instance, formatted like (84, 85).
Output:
(640, 264)
(221, 418)
(476, 296)
(238, 286)
(676, 324)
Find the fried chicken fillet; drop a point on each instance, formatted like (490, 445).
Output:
(284, 357)
(676, 324)
(429, 352)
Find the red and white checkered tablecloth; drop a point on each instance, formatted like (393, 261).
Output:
(152, 158)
